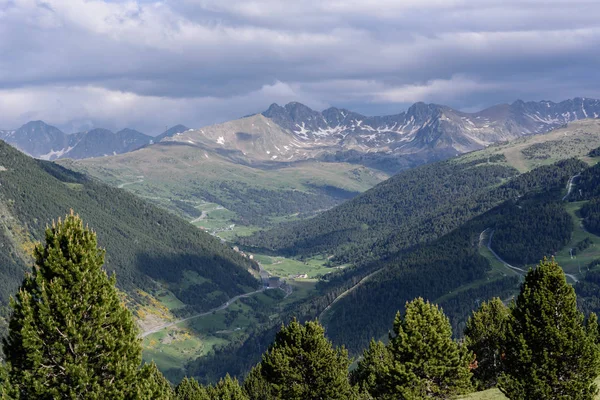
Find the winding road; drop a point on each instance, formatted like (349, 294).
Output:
(122, 185)
(520, 270)
(264, 276)
(489, 246)
(221, 307)
(204, 214)
(200, 218)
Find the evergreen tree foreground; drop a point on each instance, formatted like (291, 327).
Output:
(548, 352)
(301, 365)
(420, 361)
(485, 335)
(70, 336)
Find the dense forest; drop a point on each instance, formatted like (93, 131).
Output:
(145, 244)
(591, 216)
(588, 289)
(588, 184)
(388, 218)
(529, 230)
(356, 228)
(532, 226)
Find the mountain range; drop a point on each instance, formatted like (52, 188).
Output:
(296, 132)
(292, 159)
(43, 141)
(430, 126)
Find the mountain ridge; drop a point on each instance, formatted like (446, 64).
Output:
(425, 119)
(296, 132)
(41, 140)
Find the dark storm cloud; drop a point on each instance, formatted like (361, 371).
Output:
(148, 64)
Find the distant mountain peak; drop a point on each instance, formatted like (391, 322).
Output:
(274, 110)
(130, 130)
(172, 131)
(47, 142)
(296, 106)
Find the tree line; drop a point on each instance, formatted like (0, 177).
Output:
(70, 336)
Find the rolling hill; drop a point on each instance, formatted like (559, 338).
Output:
(175, 173)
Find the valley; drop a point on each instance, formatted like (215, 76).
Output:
(342, 239)
(166, 171)
(256, 205)
(274, 200)
(187, 181)
(161, 260)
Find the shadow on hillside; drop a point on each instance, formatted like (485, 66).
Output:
(200, 281)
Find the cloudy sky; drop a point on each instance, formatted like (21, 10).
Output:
(150, 64)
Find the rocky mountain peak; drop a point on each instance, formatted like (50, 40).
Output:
(427, 126)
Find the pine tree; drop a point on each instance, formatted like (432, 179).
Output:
(484, 335)
(426, 362)
(302, 365)
(255, 386)
(153, 384)
(227, 389)
(190, 389)
(548, 353)
(69, 335)
(372, 369)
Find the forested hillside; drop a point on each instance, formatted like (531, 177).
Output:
(531, 229)
(436, 270)
(413, 207)
(149, 249)
(423, 203)
(401, 207)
